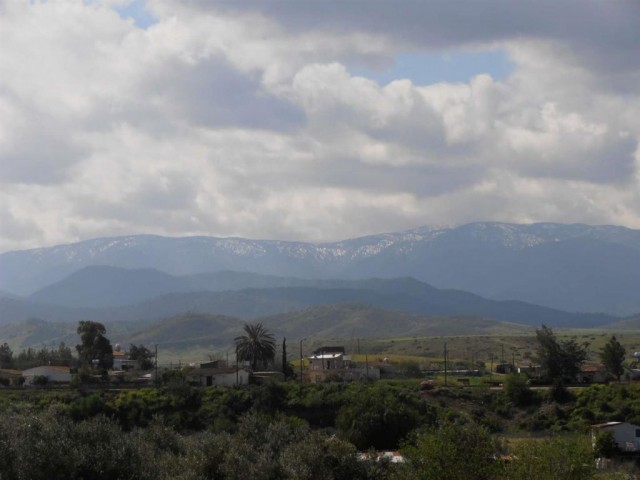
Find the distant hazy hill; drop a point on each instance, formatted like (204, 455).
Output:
(191, 332)
(8, 295)
(352, 320)
(102, 286)
(403, 294)
(569, 267)
(37, 333)
(630, 323)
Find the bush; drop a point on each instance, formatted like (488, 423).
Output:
(452, 451)
(560, 458)
(605, 445)
(516, 388)
(40, 380)
(378, 419)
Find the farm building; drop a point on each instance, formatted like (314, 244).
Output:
(626, 435)
(53, 374)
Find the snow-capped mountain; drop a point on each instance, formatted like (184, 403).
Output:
(572, 267)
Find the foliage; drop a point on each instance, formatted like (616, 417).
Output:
(379, 417)
(559, 391)
(559, 359)
(40, 380)
(600, 403)
(48, 446)
(142, 355)
(451, 451)
(516, 388)
(180, 432)
(612, 357)
(325, 457)
(30, 358)
(257, 345)
(287, 369)
(94, 346)
(6, 356)
(605, 445)
(560, 458)
(410, 370)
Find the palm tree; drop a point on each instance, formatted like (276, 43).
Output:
(257, 345)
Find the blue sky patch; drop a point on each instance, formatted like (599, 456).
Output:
(452, 67)
(137, 11)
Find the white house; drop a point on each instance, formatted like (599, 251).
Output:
(326, 361)
(121, 360)
(626, 435)
(332, 364)
(53, 374)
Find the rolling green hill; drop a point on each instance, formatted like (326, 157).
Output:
(192, 335)
(352, 320)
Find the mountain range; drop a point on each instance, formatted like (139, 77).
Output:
(576, 268)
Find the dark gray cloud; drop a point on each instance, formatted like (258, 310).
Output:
(607, 30)
(212, 93)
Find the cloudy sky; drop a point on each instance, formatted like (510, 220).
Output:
(314, 120)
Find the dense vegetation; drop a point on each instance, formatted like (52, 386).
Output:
(300, 431)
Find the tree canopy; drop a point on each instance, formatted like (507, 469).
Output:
(6, 356)
(95, 348)
(142, 355)
(559, 359)
(612, 357)
(257, 346)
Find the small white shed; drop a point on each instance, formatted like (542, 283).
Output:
(53, 374)
(626, 435)
(226, 377)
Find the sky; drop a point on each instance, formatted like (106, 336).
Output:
(314, 120)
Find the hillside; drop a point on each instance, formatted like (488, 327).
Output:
(629, 323)
(344, 321)
(192, 334)
(103, 286)
(403, 294)
(190, 331)
(568, 267)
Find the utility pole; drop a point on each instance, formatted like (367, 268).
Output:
(156, 361)
(301, 340)
(237, 366)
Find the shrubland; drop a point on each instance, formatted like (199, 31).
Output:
(301, 431)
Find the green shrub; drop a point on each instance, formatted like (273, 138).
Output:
(516, 388)
(452, 451)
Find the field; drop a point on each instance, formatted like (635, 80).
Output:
(428, 352)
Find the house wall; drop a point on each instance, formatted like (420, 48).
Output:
(326, 363)
(123, 364)
(53, 375)
(229, 379)
(626, 435)
(223, 379)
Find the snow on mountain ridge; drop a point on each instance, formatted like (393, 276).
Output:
(508, 235)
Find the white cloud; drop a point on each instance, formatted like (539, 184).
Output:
(243, 119)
